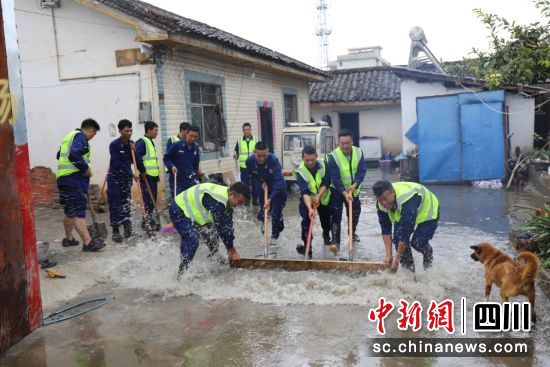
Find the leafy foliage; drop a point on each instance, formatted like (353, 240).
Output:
(539, 226)
(518, 54)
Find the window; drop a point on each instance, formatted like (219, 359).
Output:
(207, 114)
(291, 108)
(292, 142)
(327, 141)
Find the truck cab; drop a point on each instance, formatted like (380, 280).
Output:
(299, 134)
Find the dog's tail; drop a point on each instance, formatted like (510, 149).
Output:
(532, 268)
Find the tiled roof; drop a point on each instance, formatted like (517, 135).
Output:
(177, 25)
(357, 85)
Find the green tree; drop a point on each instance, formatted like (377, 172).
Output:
(518, 54)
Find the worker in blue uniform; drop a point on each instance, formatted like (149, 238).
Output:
(148, 166)
(183, 160)
(313, 180)
(264, 170)
(73, 181)
(413, 212)
(182, 135)
(119, 180)
(202, 204)
(347, 169)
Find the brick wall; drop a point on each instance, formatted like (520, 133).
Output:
(43, 186)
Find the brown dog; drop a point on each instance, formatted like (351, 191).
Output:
(513, 277)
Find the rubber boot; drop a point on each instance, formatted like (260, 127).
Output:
(326, 238)
(128, 230)
(117, 237)
(335, 247)
(428, 258)
(356, 238)
(301, 249)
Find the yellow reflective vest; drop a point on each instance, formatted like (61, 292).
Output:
(348, 169)
(314, 183)
(404, 191)
(190, 201)
(64, 165)
(150, 158)
(246, 148)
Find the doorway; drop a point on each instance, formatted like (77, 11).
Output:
(266, 124)
(350, 121)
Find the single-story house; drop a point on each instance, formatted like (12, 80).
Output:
(382, 102)
(114, 59)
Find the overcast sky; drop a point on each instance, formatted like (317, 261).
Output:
(288, 26)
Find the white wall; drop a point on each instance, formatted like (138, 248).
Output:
(87, 41)
(244, 87)
(380, 121)
(521, 121)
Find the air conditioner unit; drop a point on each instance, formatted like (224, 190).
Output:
(48, 4)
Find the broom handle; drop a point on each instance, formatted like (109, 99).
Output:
(350, 230)
(138, 184)
(265, 223)
(103, 188)
(175, 186)
(151, 194)
(310, 231)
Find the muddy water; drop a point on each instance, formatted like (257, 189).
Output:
(220, 317)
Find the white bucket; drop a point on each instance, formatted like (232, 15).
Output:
(42, 250)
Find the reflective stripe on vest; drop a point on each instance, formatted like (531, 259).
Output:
(64, 165)
(190, 201)
(150, 158)
(404, 191)
(314, 183)
(245, 150)
(173, 139)
(348, 169)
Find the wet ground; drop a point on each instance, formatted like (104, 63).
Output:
(216, 316)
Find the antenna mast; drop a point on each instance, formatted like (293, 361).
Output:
(322, 32)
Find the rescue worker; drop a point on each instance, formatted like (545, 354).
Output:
(73, 181)
(148, 166)
(406, 205)
(264, 170)
(314, 181)
(183, 159)
(244, 149)
(119, 180)
(182, 135)
(201, 204)
(347, 169)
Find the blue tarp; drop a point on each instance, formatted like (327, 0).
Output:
(461, 137)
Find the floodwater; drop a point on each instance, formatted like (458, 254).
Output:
(215, 316)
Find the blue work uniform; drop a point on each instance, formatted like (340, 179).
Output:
(190, 233)
(152, 181)
(403, 229)
(253, 197)
(73, 188)
(337, 200)
(119, 180)
(186, 159)
(322, 210)
(270, 173)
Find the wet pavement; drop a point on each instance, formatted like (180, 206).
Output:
(216, 316)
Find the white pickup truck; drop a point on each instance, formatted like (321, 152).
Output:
(299, 134)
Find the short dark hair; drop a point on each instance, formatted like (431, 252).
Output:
(194, 128)
(124, 123)
(308, 149)
(240, 188)
(345, 132)
(260, 146)
(150, 125)
(247, 124)
(184, 126)
(380, 187)
(90, 124)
